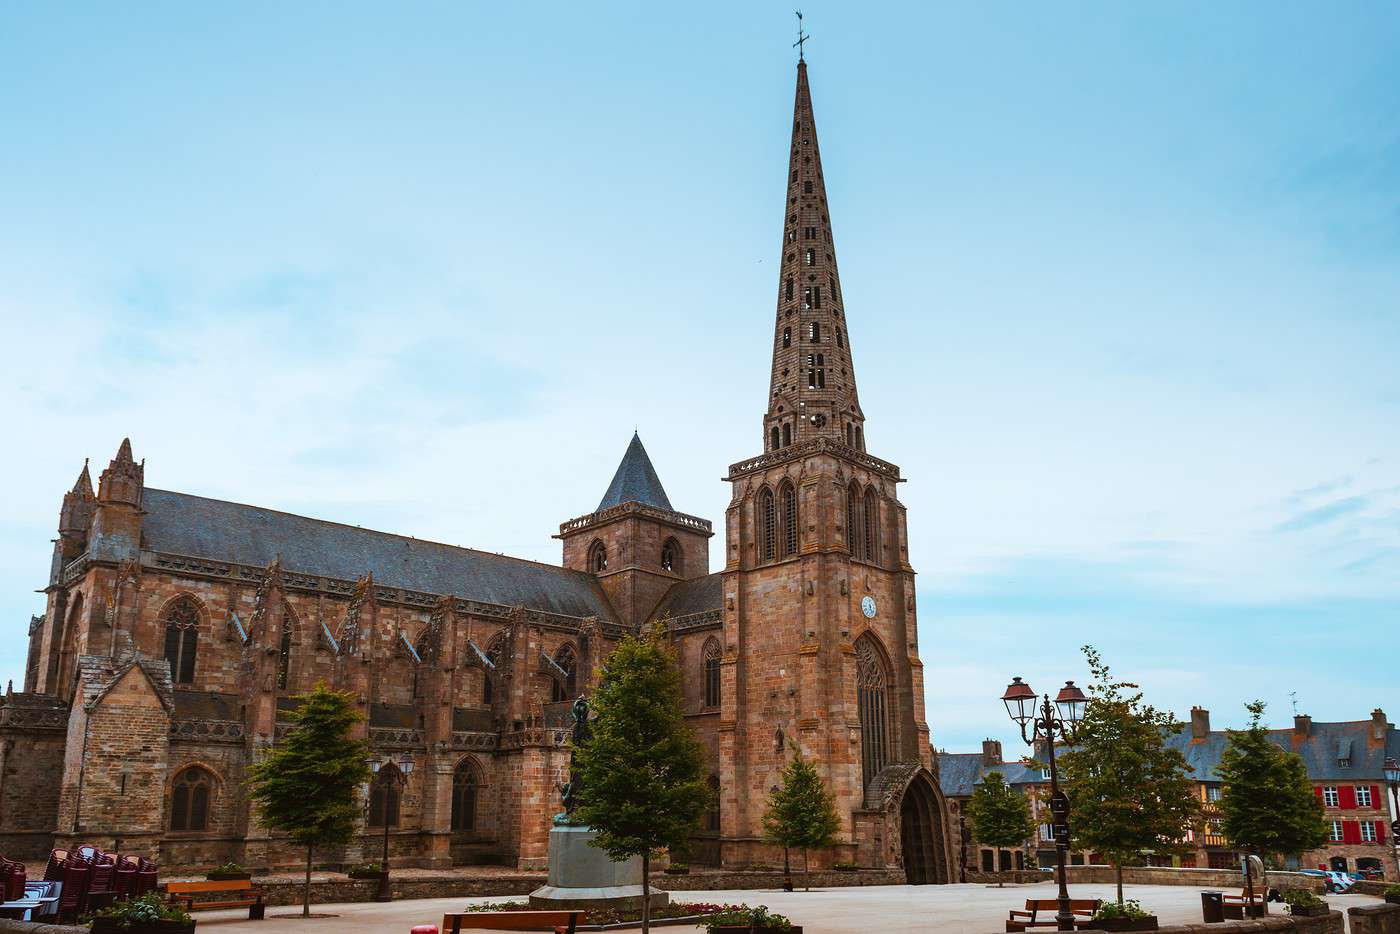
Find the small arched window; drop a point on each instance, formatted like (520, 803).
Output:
(712, 682)
(464, 789)
(787, 337)
(775, 440)
(671, 556)
(767, 525)
(284, 657)
(840, 341)
(871, 512)
(384, 794)
(787, 433)
(189, 799)
(565, 687)
(789, 498)
(181, 639)
(597, 557)
(850, 435)
(712, 814)
(814, 333)
(811, 257)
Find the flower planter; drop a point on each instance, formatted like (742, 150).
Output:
(359, 874)
(745, 929)
(1309, 911)
(113, 926)
(228, 876)
(1126, 924)
(1392, 899)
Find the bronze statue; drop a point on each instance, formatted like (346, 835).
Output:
(568, 792)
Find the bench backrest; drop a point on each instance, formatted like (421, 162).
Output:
(220, 885)
(507, 920)
(1053, 904)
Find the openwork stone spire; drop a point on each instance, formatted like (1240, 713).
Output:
(813, 388)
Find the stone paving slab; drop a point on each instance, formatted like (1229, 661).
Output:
(894, 909)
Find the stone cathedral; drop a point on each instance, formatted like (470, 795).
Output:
(179, 629)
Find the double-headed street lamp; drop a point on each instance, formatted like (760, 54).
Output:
(405, 766)
(1021, 700)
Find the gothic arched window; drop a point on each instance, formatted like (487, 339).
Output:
(181, 637)
(775, 444)
(787, 433)
(872, 702)
(284, 649)
(597, 558)
(464, 788)
(671, 556)
(853, 527)
(189, 799)
(565, 688)
(713, 658)
(789, 497)
(384, 794)
(767, 525)
(872, 514)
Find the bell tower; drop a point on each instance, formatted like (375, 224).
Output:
(820, 638)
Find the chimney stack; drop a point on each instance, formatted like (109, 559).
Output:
(1302, 725)
(1379, 725)
(991, 752)
(1200, 723)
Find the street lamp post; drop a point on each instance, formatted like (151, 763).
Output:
(405, 766)
(1021, 701)
(1392, 778)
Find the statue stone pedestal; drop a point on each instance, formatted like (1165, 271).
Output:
(582, 877)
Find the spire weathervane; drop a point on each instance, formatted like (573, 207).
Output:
(802, 37)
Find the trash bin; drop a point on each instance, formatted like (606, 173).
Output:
(1212, 907)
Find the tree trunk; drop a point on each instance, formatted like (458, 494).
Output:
(1118, 877)
(306, 889)
(806, 872)
(787, 869)
(1001, 879)
(646, 892)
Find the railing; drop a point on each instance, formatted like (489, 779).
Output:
(212, 731)
(812, 446)
(665, 515)
(395, 738)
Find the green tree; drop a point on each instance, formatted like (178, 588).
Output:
(643, 774)
(1267, 805)
(801, 814)
(308, 784)
(999, 814)
(1129, 791)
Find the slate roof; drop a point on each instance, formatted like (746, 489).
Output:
(1320, 750)
(692, 596)
(194, 526)
(959, 773)
(635, 481)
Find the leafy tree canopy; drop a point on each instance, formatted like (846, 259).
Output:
(801, 812)
(1000, 815)
(1267, 804)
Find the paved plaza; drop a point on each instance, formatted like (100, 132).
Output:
(896, 909)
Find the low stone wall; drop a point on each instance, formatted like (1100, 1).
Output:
(7, 926)
(1224, 880)
(1374, 919)
(1374, 887)
(287, 891)
(752, 879)
(1015, 876)
(1333, 923)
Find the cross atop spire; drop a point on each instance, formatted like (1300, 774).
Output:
(802, 38)
(813, 388)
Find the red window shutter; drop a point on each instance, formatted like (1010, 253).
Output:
(1346, 797)
(1317, 790)
(1351, 831)
(1377, 801)
(1380, 831)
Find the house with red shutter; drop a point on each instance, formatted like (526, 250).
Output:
(1346, 762)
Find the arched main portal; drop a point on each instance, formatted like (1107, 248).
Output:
(921, 834)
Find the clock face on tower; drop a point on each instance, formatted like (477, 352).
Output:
(867, 606)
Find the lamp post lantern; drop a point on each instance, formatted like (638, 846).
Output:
(1061, 718)
(405, 767)
(1392, 778)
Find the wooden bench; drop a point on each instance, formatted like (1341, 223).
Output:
(236, 893)
(1083, 909)
(561, 922)
(1239, 907)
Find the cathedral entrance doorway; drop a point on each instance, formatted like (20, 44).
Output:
(921, 834)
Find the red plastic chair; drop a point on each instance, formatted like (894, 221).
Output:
(14, 879)
(76, 876)
(146, 876)
(124, 878)
(53, 871)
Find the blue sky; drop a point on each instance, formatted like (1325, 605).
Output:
(1122, 285)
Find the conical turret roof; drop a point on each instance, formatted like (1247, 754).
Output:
(636, 480)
